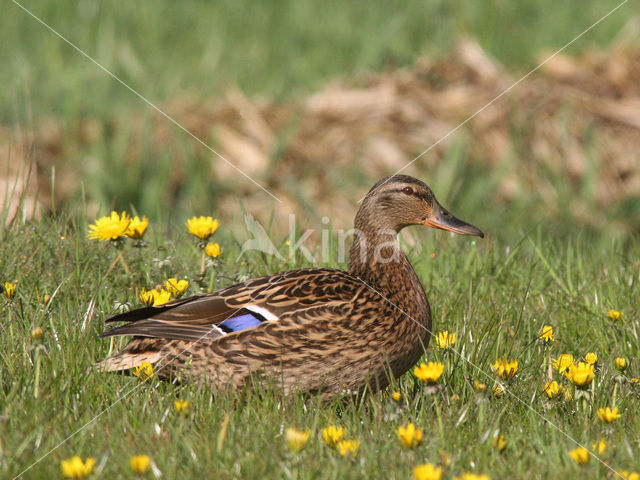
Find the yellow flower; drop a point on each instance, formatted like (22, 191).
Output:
(77, 469)
(140, 464)
(182, 406)
(627, 475)
(147, 297)
(581, 374)
(580, 455)
(137, 227)
(176, 287)
(396, 396)
(212, 249)
(9, 289)
(614, 315)
(409, 435)
(608, 415)
(143, 371)
(37, 333)
(332, 435)
(154, 297)
(563, 362)
(472, 476)
(348, 447)
(498, 390)
(621, 363)
(546, 333)
(160, 297)
(429, 373)
(202, 227)
(445, 340)
(479, 386)
(499, 442)
(110, 228)
(552, 389)
(599, 446)
(591, 358)
(505, 369)
(296, 439)
(427, 471)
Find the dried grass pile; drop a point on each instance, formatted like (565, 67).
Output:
(576, 119)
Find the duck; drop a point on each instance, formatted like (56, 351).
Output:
(316, 331)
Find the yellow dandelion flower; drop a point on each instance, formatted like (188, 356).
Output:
(627, 475)
(614, 315)
(608, 415)
(176, 287)
(140, 464)
(621, 363)
(445, 340)
(296, 439)
(581, 375)
(546, 333)
(600, 446)
(143, 371)
(499, 442)
(332, 435)
(213, 250)
(147, 297)
(563, 362)
(427, 471)
(479, 386)
(498, 390)
(77, 469)
(409, 435)
(505, 369)
(137, 227)
(110, 228)
(154, 297)
(9, 289)
(472, 476)
(591, 358)
(429, 373)
(396, 396)
(552, 389)
(202, 227)
(183, 407)
(348, 448)
(37, 333)
(580, 455)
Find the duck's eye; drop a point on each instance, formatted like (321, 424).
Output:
(407, 191)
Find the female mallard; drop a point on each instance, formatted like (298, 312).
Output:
(309, 330)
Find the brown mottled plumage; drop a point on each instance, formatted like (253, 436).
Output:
(322, 330)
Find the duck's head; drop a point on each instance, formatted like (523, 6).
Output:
(400, 200)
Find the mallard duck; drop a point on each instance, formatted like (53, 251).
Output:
(313, 330)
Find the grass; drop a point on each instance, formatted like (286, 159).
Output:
(283, 49)
(279, 48)
(494, 295)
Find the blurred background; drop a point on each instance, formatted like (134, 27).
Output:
(318, 100)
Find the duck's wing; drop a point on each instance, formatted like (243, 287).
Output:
(203, 319)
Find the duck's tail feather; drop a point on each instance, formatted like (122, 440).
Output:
(138, 351)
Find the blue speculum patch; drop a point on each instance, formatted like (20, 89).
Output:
(241, 322)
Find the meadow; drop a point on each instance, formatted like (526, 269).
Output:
(536, 268)
(496, 297)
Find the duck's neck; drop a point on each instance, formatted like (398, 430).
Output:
(376, 258)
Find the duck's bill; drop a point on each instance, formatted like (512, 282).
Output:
(445, 221)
